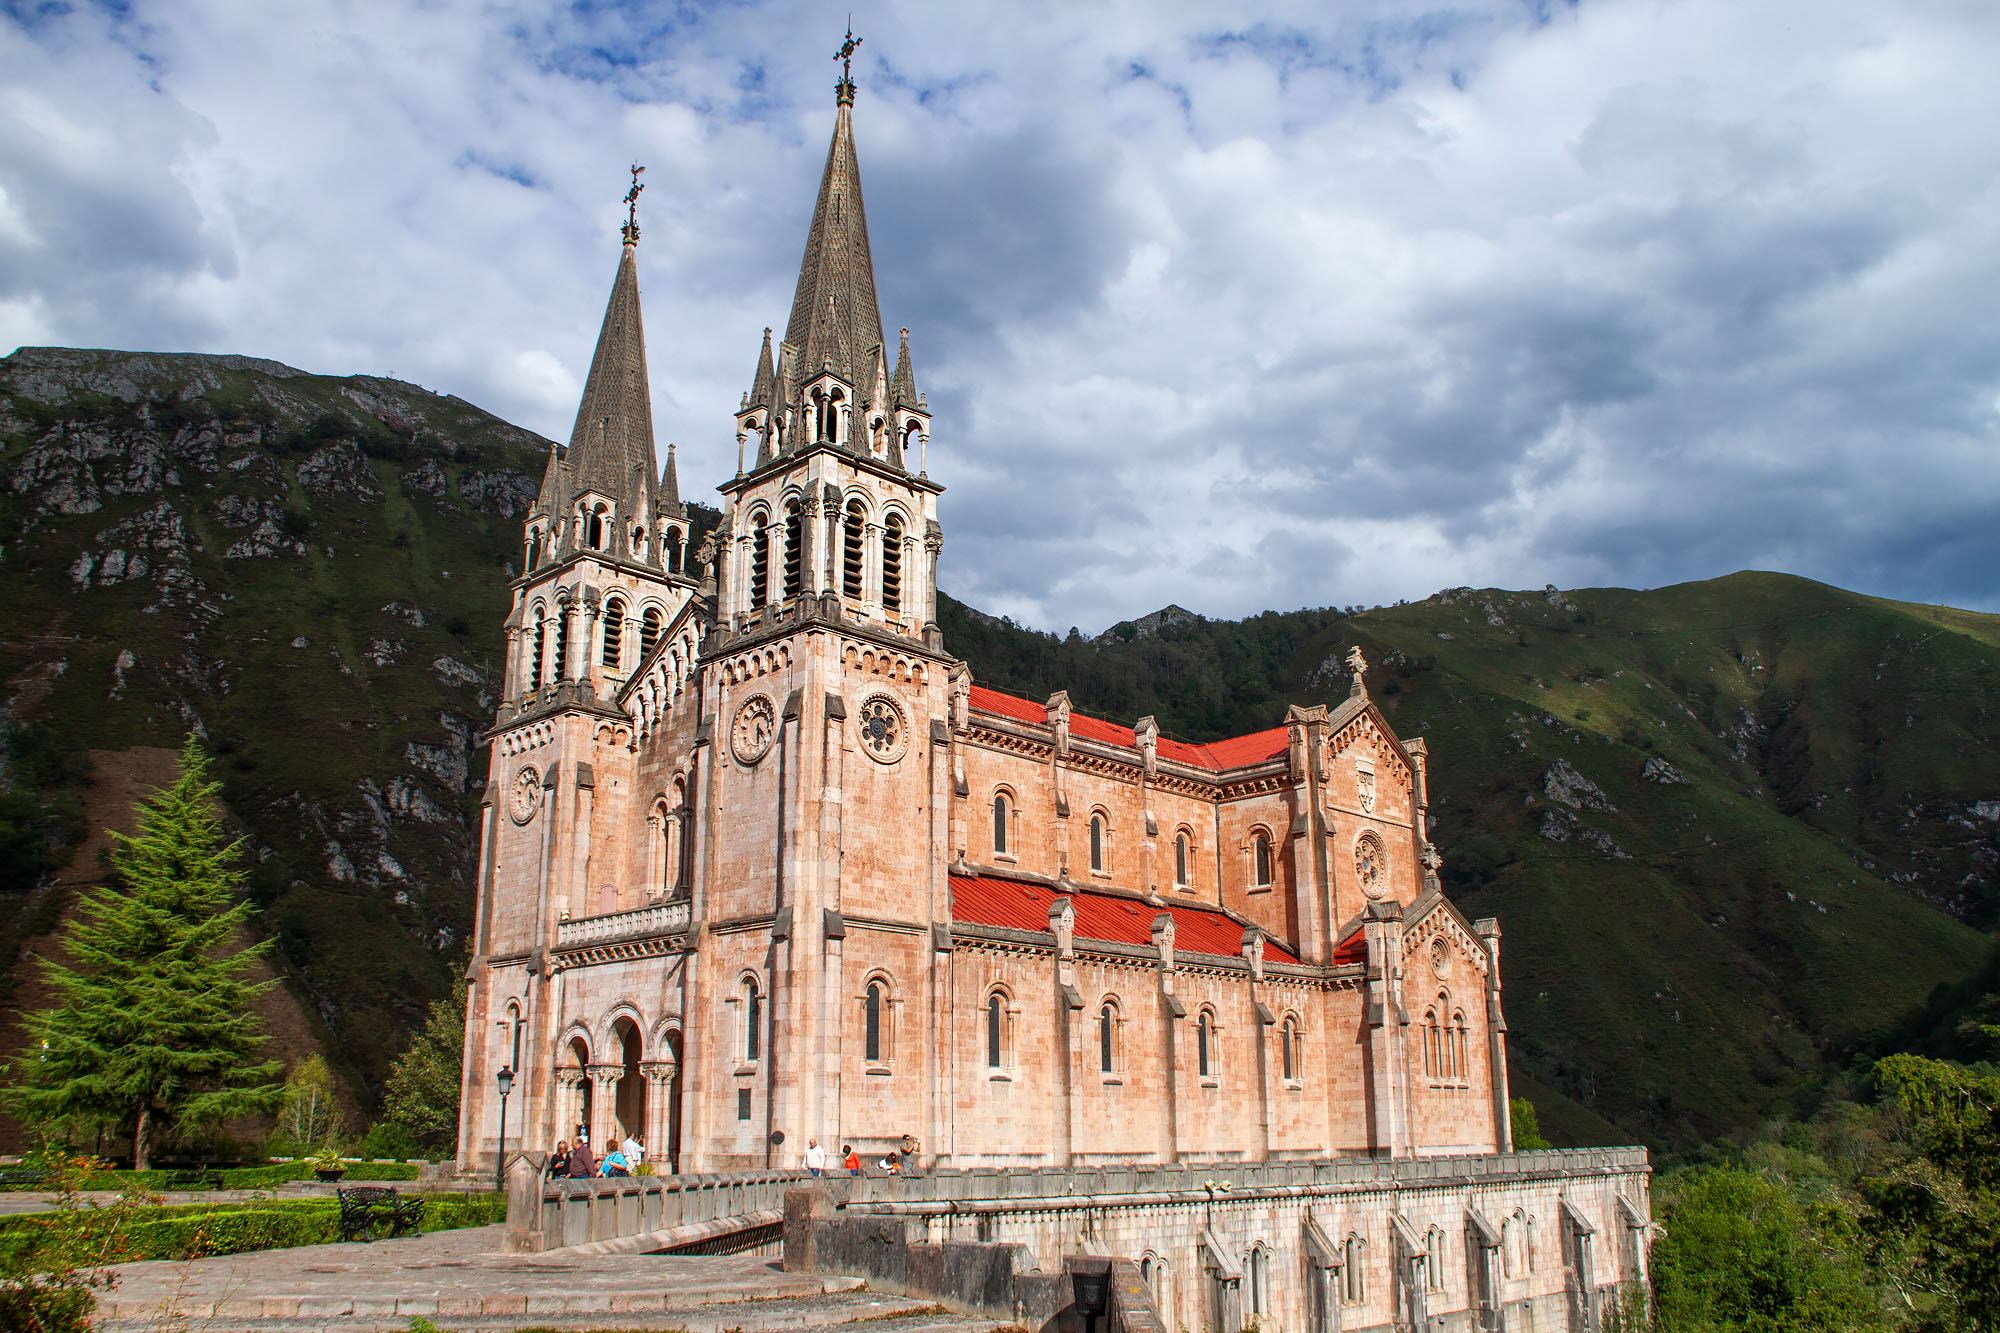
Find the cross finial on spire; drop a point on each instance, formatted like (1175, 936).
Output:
(844, 90)
(632, 207)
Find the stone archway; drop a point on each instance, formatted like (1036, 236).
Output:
(628, 1108)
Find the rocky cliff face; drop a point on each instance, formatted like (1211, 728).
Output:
(311, 573)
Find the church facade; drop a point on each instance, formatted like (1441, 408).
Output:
(761, 863)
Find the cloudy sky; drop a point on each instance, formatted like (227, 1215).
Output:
(1245, 306)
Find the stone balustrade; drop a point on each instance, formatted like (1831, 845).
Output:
(544, 1214)
(640, 922)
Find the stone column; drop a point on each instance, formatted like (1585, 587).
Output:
(933, 546)
(569, 1101)
(660, 1076)
(871, 564)
(578, 641)
(547, 675)
(603, 1102)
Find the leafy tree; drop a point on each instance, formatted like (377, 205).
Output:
(1937, 1218)
(1740, 1251)
(1527, 1126)
(421, 1101)
(309, 1115)
(154, 1030)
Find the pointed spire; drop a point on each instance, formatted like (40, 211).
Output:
(553, 498)
(905, 392)
(836, 317)
(614, 422)
(670, 489)
(760, 388)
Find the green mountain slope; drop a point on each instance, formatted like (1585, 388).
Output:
(1730, 829)
(312, 572)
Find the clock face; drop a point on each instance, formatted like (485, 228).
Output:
(526, 796)
(756, 726)
(883, 731)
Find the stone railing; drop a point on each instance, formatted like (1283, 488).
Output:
(638, 923)
(1000, 1188)
(651, 1211)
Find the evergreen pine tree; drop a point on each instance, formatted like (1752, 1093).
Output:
(154, 1030)
(421, 1099)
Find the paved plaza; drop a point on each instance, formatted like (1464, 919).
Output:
(460, 1280)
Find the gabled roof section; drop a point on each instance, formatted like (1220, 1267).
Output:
(614, 422)
(985, 900)
(836, 318)
(1235, 752)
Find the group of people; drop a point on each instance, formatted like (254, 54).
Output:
(572, 1158)
(896, 1163)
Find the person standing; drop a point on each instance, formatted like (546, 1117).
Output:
(815, 1158)
(581, 1164)
(850, 1159)
(634, 1149)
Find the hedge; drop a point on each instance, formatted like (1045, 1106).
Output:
(186, 1230)
(241, 1177)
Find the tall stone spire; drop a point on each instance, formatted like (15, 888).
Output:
(614, 422)
(670, 490)
(836, 319)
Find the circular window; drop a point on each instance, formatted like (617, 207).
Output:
(754, 729)
(526, 796)
(1440, 956)
(1370, 867)
(884, 732)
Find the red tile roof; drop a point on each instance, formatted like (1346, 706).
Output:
(1353, 949)
(983, 900)
(1235, 752)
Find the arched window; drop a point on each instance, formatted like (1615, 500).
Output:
(614, 634)
(1097, 843)
(795, 555)
(670, 551)
(1434, 1259)
(1000, 824)
(649, 630)
(753, 1020)
(532, 556)
(562, 642)
(892, 564)
(1288, 1046)
(1461, 1067)
(597, 528)
(996, 1024)
(1354, 1273)
(514, 1035)
(1181, 861)
(1204, 1044)
(1261, 847)
(541, 631)
(1107, 1033)
(871, 1022)
(1258, 1262)
(760, 565)
(852, 536)
(1510, 1236)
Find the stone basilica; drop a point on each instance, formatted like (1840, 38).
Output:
(760, 863)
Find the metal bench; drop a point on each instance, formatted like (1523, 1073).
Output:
(363, 1205)
(195, 1178)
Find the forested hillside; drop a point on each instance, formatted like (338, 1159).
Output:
(1732, 830)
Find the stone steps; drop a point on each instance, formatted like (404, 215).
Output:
(858, 1309)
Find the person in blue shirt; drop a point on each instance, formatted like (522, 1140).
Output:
(614, 1164)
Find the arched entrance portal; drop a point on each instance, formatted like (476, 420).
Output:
(628, 1108)
(673, 1135)
(579, 1080)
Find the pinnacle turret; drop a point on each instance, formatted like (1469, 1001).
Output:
(670, 505)
(905, 392)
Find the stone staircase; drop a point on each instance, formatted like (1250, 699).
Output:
(458, 1280)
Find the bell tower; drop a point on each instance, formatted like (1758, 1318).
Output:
(832, 511)
(827, 691)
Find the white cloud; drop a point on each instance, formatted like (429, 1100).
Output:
(1313, 310)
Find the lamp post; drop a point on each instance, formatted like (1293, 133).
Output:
(504, 1080)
